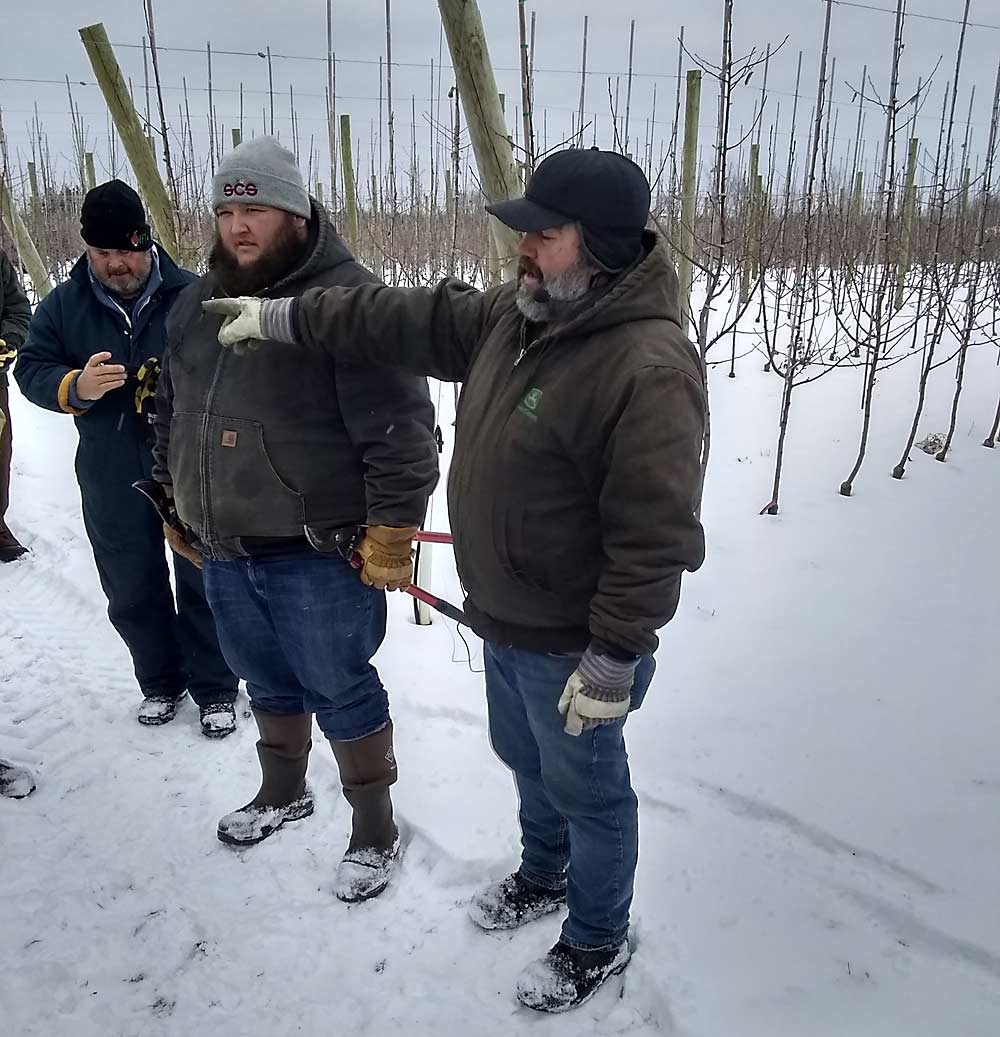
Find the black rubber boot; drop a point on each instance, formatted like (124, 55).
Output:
(367, 769)
(283, 749)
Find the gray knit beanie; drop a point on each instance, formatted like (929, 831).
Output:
(261, 172)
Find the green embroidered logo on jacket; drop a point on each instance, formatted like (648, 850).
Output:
(529, 405)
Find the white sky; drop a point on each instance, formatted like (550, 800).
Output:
(41, 42)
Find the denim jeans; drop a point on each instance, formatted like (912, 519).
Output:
(578, 813)
(301, 630)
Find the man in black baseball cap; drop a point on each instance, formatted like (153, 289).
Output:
(604, 194)
(572, 494)
(89, 343)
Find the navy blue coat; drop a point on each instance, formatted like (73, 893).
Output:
(69, 326)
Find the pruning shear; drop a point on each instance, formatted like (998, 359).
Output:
(446, 608)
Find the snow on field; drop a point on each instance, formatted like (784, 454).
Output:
(817, 764)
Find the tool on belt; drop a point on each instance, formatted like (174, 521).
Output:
(145, 393)
(164, 505)
(346, 541)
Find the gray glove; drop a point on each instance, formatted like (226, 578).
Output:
(250, 321)
(599, 691)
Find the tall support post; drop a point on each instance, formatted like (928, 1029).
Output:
(109, 76)
(909, 207)
(22, 239)
(350, 196)
(477, 87)
(689, 193)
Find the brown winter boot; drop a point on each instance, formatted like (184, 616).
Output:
(283, 749)
(367, 769)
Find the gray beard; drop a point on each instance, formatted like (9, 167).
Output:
(569, 294)
(135, 286)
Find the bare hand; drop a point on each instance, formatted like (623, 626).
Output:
(99, 377)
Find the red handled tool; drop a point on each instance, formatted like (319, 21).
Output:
(423, 536)
(446, 608)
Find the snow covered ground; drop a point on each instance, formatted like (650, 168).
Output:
(817, 765)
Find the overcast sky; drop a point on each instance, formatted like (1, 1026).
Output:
(41, 42)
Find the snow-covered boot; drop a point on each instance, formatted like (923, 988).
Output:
(567, 977)
(283, 749)
(512, 902)
(10, 547)
(15, 782)
(367, 769)
(218, 719)
(158, 709)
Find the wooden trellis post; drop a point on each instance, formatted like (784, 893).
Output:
(115, 90)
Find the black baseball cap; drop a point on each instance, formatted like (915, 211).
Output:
(603, 191)
(113, 217)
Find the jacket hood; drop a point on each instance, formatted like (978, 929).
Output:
(325, 250)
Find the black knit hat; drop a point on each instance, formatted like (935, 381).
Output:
(112, 217)
(606, 193)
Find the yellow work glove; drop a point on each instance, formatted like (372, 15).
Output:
(387, 562)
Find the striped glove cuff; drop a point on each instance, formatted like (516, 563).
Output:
(605, 673)
(599, 691)
(277, 321)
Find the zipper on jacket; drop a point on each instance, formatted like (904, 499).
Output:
(206, 448)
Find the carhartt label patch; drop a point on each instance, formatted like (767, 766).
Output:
(530, 404)
(229, 437)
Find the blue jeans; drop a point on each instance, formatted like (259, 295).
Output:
(578, 813)
(301, 630)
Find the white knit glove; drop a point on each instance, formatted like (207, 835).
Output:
(599, 691)
(250, 321)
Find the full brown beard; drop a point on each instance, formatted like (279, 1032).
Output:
(284, 255)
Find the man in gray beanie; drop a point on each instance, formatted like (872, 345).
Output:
(260, 171)
(284, 469)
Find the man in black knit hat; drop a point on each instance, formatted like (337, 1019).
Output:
(92, 351)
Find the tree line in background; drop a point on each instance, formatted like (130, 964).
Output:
(811, 260)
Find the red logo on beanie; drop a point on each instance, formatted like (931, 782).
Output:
(240, 189)
(135, 238)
